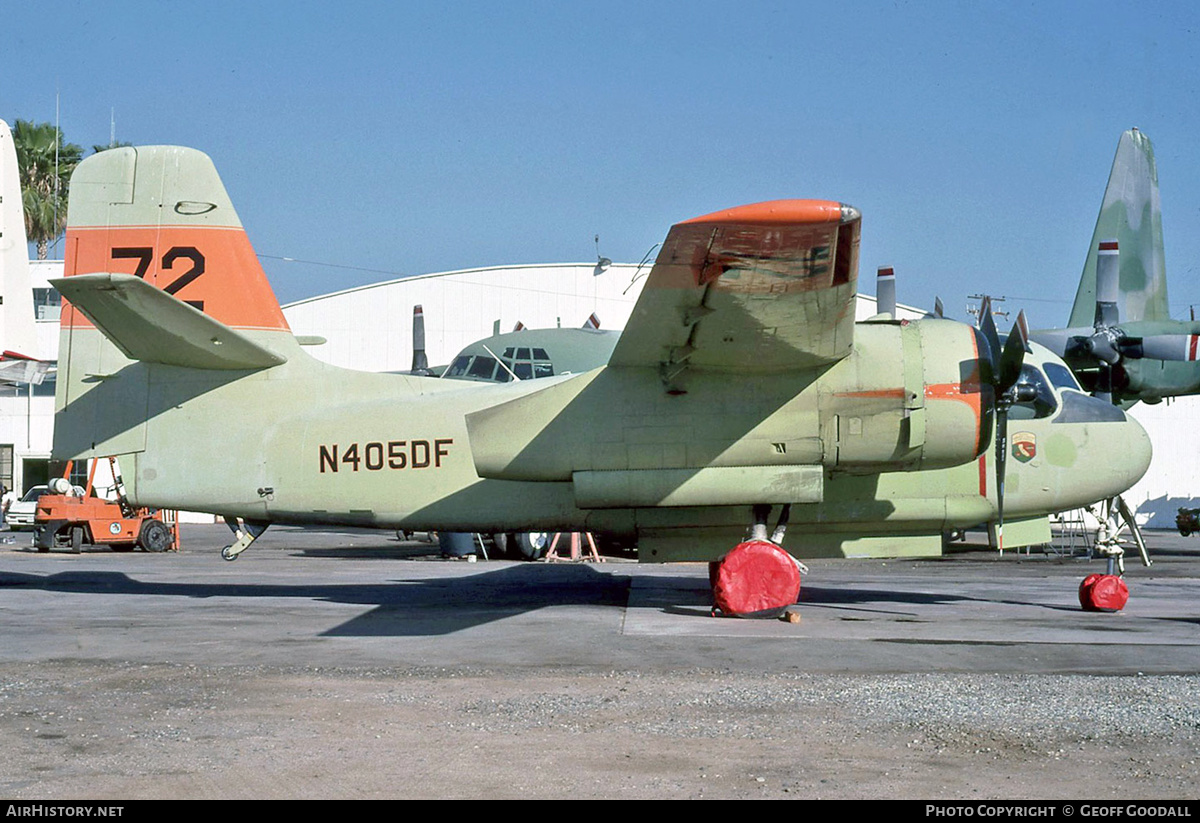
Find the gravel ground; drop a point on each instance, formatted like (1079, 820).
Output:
(73, 730)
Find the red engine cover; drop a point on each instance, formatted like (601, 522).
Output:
(755, 579)
(1103, 593)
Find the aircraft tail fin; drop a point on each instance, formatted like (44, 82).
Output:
(161, 213)
(17, 331)
(1132, 214)
(157, 260)
(158, 271)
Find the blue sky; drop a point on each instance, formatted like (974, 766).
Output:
(404, 138)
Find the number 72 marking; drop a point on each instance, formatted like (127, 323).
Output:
(145, 254)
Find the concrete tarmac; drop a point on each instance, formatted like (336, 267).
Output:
(363, 598)
(347, 664)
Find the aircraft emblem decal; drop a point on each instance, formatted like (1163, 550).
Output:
(1024, 446)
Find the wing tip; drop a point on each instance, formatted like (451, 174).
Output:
(783, 212)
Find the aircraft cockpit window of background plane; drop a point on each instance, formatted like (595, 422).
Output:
(525, 363)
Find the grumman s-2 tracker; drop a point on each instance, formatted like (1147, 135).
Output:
(741, 390)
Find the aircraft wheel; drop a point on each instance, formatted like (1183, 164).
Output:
(76, 539)
(531, 545)
(155, 536)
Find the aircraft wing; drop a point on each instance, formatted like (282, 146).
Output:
(19, 368)
(760, 288)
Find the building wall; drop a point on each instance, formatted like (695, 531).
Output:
(370, 327)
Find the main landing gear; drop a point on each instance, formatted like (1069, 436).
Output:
(757, 578)
(245, 534)
(1107, 592)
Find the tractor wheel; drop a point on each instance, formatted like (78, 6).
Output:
(155, 536)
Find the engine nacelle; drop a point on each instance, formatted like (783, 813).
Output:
(909, 397)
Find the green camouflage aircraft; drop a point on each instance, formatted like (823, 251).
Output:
(741, 384)
(1121, 341)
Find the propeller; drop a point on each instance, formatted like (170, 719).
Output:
(1106, 343)
(1004, 374)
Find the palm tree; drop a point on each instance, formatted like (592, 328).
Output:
(115, 144)
(44, 165)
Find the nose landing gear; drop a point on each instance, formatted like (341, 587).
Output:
(1107, 592)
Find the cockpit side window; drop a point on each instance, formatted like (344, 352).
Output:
(1044, 403)
(483, 367)
(459, 367)
(1061, 377)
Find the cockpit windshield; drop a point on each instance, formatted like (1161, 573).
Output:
(1061, 377)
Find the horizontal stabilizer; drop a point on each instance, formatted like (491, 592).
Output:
(150, 325)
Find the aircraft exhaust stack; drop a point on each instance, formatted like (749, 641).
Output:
(420, 363)
(885, 291)
(1108, 275)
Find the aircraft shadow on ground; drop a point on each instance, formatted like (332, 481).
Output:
(433, 606)
(402, 607)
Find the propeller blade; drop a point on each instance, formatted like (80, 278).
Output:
(1162, 347)
(1015, 349)
(1108, 284)
(1001, 460)
(420, 363)
(1066, 343)
(1008, 391)
(987, 325)
(885, 291)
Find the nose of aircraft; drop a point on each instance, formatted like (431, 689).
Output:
(1118, 454)
(1096, 450)
(1136, 452)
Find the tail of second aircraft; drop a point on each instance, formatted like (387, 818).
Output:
(1132, 214)
(17, 332)
(158, 270)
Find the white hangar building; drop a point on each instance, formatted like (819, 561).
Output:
(370, 328)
